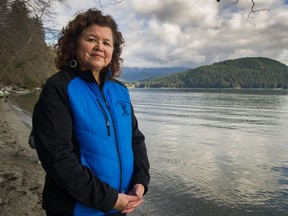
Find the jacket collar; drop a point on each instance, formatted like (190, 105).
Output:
(87, 75)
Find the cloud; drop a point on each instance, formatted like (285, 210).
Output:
(192, 33)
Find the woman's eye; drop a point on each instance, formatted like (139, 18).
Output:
(106, 43)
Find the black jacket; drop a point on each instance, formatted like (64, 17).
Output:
(68, 181)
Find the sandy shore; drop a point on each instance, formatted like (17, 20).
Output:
(21, 178)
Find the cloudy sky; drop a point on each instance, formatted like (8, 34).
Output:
(191, 33)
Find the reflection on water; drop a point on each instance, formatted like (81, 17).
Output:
(222, 147)
(24, 105)
(220, 152)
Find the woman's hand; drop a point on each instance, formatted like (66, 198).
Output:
(127, 203)
(138, 190)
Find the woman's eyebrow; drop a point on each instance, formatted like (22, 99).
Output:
(92, 35)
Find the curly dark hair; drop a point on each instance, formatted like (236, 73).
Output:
(67, 42)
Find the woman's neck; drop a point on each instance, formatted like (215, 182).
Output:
(96, 75)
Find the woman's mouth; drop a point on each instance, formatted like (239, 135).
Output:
(96, 55)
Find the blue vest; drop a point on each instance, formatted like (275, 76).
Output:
(103, 126)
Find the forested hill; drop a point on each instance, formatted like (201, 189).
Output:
(132, 74)
(251, 72)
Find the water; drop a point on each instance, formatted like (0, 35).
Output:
(213, 152)
(24, 105)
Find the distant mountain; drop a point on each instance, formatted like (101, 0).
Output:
(251, 72)
(131, 74)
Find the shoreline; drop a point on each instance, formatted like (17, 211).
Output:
(21, 178)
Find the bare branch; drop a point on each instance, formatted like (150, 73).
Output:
(252, 10)
(100, 4)
(257, 10)
(118, 2)
(109, 3)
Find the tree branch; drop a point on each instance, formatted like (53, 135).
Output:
(252, 10)
(109, 3)
(257, 10)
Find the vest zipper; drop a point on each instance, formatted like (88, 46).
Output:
(117, 145)
(108, 129)
(105, 117)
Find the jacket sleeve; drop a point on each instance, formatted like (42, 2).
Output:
(58, 152)
(141, 163)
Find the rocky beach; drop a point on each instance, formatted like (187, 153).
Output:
(21, 178)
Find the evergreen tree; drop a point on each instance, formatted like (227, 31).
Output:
(29, 60)
(3, 36)
(4, 13)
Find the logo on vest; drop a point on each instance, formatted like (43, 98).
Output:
(125, 108)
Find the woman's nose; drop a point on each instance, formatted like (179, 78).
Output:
(99, 46)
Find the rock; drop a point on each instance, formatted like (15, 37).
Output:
(4, 93)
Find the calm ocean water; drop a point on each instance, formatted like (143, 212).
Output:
(212, 152)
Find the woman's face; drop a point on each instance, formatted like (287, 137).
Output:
(95, 48)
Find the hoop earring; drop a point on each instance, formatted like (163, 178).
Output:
(73, 63)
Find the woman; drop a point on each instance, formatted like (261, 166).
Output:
(85, 131)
